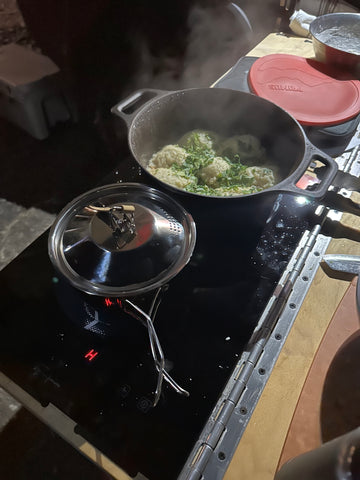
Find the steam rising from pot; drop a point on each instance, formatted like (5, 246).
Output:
(215, 39)
(114, 47)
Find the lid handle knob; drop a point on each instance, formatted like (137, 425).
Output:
(122, 221)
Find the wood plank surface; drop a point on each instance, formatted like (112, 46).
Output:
(260, 448)
(281, 43)
(310, 425)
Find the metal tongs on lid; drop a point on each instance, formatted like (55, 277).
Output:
(156, 350)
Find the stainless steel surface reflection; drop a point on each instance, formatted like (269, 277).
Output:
(121, 240)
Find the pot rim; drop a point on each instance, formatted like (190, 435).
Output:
(286, 185)
(329, 20)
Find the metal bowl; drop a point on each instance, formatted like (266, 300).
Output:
(336, 39)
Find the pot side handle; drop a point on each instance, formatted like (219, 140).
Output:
(129, 106)
(326, 175)
(337, 190)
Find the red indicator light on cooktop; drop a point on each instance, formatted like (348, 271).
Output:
(90, 355)
(108, 302)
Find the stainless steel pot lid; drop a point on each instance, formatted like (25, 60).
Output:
(121, 240)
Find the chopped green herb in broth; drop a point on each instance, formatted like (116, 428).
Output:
(196, 165)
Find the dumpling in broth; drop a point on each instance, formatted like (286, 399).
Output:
(198, 139)
(247, 147)
(167, 156)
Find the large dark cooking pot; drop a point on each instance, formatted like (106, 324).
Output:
(158, 118)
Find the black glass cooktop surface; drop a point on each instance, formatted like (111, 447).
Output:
(93, 361)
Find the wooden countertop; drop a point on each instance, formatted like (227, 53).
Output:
(261, 449)
(281, 43)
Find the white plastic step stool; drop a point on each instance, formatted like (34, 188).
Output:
(32, 95)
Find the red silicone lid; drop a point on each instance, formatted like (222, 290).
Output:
(312, 92)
